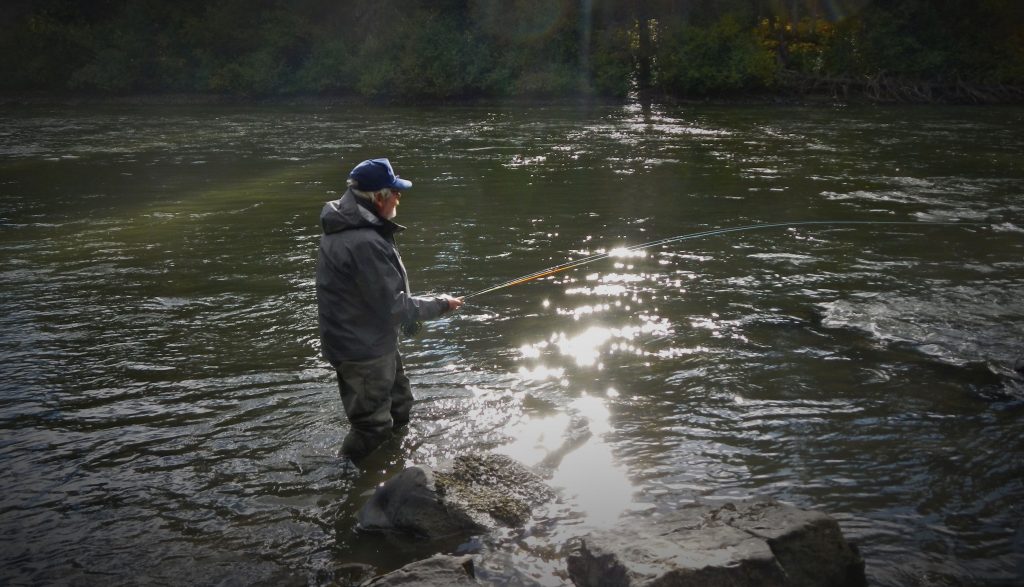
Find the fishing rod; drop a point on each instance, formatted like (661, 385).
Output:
(674, 239)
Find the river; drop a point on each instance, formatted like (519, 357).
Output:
(166, 418)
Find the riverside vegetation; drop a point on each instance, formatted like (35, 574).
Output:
(438, 50)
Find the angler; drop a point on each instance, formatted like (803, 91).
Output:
(364, 301)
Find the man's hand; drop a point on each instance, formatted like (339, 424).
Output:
(453, 303)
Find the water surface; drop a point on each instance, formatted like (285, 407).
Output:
(166, 417)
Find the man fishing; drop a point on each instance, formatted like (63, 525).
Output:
(364, 302)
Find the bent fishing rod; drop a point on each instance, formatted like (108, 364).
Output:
(695, 235)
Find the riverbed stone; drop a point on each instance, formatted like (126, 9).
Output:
(496, 490)
(755, 543)
(410, 503)
(470, 495)
(440, 570)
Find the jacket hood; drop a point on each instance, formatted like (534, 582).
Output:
(347, 213)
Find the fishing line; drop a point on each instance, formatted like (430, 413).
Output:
(674, 239)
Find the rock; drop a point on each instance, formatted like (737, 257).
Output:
(439, 570)
(756, 543)
(409, 502)
(494, 489)
(808, 544)
(472, 494)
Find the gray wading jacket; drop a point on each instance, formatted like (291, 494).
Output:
(362, 289)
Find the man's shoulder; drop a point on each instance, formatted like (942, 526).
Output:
(357, 239)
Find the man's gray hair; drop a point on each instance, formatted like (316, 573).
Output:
(351, 183)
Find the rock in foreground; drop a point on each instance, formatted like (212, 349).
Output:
(437, 571)
(494, 489)
(410, 503)
(755, 543)
(471, 495)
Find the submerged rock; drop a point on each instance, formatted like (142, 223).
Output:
(437, 571)
(472, 494)
(756, 543)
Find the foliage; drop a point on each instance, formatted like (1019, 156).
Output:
(613, 64)
(934, 40)
(945, 39)
(453, 49)
(801, 45)
(724, 58)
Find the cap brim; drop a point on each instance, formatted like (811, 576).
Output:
(401, 184)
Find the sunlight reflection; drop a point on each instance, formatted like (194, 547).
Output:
(581, 311)
(600, 290)
(617, 277)
(623, 252)
(532, 351)
(536, 439)
(719, 328)
(676, 352)
(587, 347)
(601, 486)
(540, 373)
(581, 461)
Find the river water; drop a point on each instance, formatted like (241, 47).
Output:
(166, 418)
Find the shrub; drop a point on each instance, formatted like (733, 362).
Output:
(612, 63)
(722, 59)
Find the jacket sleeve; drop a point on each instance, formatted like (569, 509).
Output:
(382, 285)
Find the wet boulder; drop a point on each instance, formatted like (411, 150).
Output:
(470, 495)
(494, 489)
(439, 570)
(410, 503)
(756, 543)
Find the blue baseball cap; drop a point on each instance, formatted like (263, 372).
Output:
(376, 174)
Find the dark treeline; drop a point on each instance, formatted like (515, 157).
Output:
(913, 50)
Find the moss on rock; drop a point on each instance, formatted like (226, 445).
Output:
(494, 485)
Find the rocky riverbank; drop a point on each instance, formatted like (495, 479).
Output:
(755, 542)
